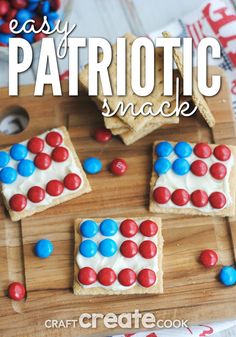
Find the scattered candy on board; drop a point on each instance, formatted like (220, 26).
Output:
(92, 165)
(16, 291)
(118, 167)
(103, 135)
(43, 248)
(208, 258)
(227, 276)
(24, 10)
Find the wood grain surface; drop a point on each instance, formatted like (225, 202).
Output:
(191, 292)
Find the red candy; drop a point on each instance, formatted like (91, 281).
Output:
(42, 161)
(127, 277)
(129, 248)
(4, 28)
(147, 278)
(16, 291)
(54, 138)
(218, 171)
(208, 258)
(54, 188)
(4, 7)
(72, 181)
(36, 194)
(103, 135)
(87, 276)
(148, 228)
(39, 36)
(60, 154)
(180, 197)
(11, 14)
(161, 195)
(222, 152)
(199, 168)
(199, 198)
(19, 4)
(202, 150)
(55, 4)
(148, 249)
(35, 145)
(38, 21)
(106, 276)
(18, 202)
(217, 200)
(118, 167)
(128, 228)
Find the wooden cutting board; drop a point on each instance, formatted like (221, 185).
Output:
(191, 292)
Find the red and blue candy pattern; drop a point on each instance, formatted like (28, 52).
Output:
(117, 239)
(195, 162)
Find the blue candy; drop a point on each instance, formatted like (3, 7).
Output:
(53, 16)
(89, 228)
(181, 166)
(4, 38)
(4, 158)
(228, 276)
(23, 15)
(43, 248)
(45, 7)
(162, 165)
(107, 247)
(164, 149)
(28, 37)
(8, 175)
(92, 165)
(108, 227)
(183, 150)
(18, 152)
(26, 167)
(88, 248)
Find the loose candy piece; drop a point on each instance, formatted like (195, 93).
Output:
(103, 135)
(88, 248)
(108, 227)
(87, 276)
(128, 228)
(183, 150)
(43, 248)
(164, 149)
(118, 166)
(16, 290)
(92, 165)
(227, 276)
(127, 277)
(89, 228)
(208, 258)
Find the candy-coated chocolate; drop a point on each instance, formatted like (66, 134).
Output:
(180, 197)
(161, 195)
(183, 149)
(54, 188)
(217, 200)
(4, 28)
(88, 248)
(118, 167)
(89, 228)
(106, 276)
(18, 202)
(222, 152)
(199, 168)
(181, 166)
(39, 36)
(87, 276)
(202, 150)
(164, 149)
(16, 290)
(147, 249)
(108, 227)
(36, 194)
(107, 247)
(227, 276)
(18, 152)
(42, 161)
(199, 198)
(8, 175)
(55, 4)
(128, 228)
(148, 228)
(103, 135)
(4, 158)
(53, 16)
(35, 145)
(146, 278)
(127, 277)
(218, 171)
(72, 181)
(10, 14)
(43, 248)
(45, 7)
(4, 7)
(26, 167)
(19, 4)
(92, 165)
(129, 248)
(162, 166)
(60, 154)
(54, 138)
(4, 39)
(24, 15)
(208, 258)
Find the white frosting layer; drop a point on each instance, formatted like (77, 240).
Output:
(118, 261)
(191, 182)
(42, 177)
